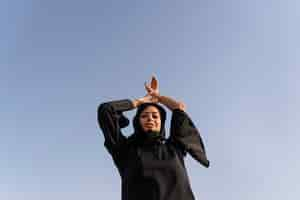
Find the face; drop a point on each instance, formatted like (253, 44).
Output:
(150, 119)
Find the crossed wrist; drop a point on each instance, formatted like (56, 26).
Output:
(136, 103)
(158, 97)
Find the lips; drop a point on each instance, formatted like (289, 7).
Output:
(149, 125)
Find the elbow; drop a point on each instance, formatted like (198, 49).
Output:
(104, 107)
(181, 106)
(102, 110)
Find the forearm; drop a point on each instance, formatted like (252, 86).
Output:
(171, 103)
(136, 102)
(118, 105)
(146, 99)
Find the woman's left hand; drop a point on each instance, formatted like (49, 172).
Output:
(146, 99)
(152, 95)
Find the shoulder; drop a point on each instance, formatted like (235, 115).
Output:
(176, 147)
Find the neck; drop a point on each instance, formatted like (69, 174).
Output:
(153, 134)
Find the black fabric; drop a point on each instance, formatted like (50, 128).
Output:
(151, 168)
(186, 134)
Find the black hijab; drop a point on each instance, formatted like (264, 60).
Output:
(140, 136)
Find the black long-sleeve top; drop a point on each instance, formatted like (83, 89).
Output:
(151, 171)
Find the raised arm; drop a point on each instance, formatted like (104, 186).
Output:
(111, 120)
(183, 131)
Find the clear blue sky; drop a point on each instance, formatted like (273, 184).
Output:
(234, 63)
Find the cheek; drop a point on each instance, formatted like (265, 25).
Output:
(143, 122)
(158, 123)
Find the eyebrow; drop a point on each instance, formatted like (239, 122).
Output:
(150, 112)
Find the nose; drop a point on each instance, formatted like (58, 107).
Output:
(150, 118)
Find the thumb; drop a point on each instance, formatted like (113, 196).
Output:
(148, 88)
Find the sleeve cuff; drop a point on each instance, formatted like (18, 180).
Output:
(121, 105)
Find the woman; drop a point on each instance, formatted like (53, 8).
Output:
(151, 166)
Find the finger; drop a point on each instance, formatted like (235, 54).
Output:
(148, 88)
(154, 83)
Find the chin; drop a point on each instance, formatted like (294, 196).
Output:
(153, 130)
(150, 130)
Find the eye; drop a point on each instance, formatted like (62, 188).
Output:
(143, 116)
(155, 116)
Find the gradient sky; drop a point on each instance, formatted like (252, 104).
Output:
(234, 63)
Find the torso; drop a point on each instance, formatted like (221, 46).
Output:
(155, 173)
